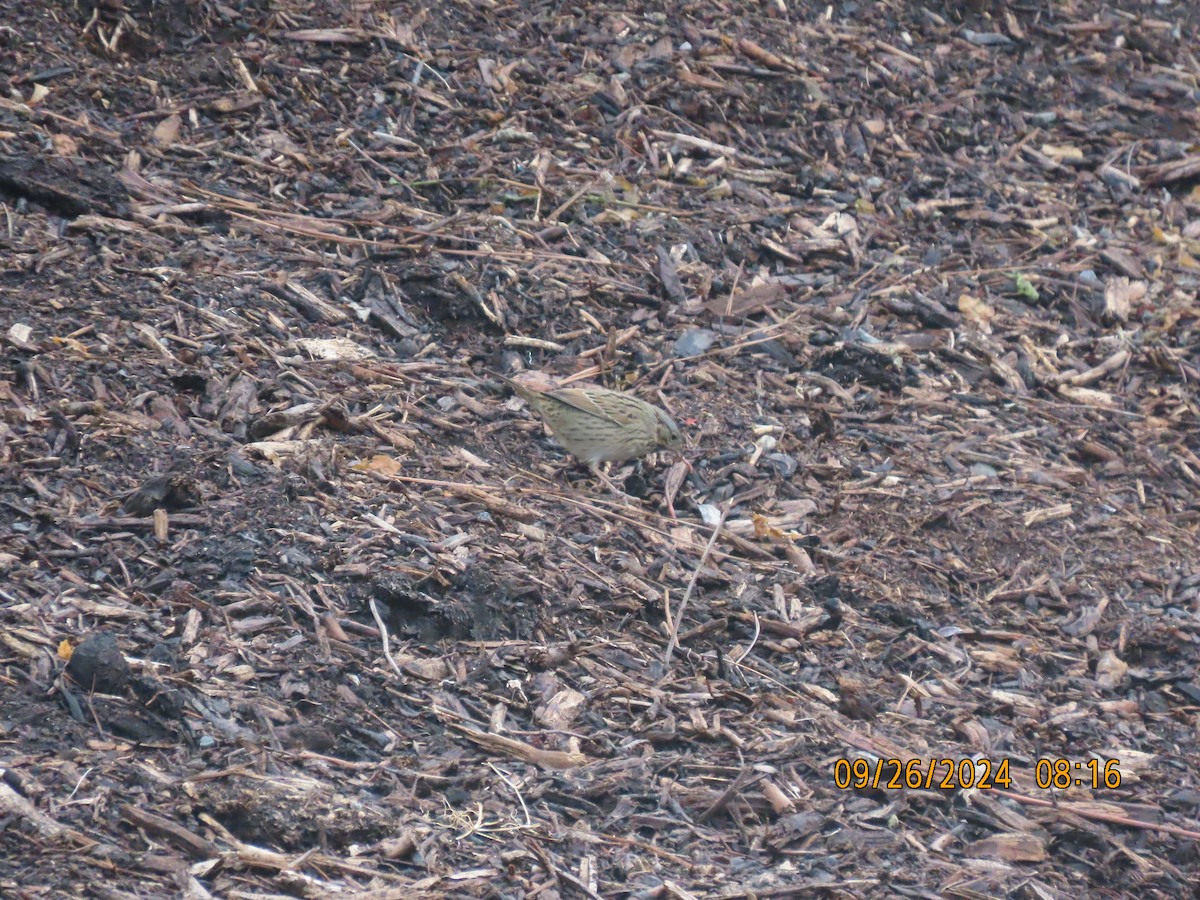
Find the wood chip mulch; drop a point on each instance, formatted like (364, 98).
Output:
(297, 599)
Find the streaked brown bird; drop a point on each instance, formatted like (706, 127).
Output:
(597, 425)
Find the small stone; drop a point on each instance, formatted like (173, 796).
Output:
(98, 665)
(694, 342)
(783, 464)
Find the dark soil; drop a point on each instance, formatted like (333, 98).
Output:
(919, 282)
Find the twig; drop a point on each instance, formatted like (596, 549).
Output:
(753, 640)
(392, 176)
(741, 781)
(383, 634)
(570, 201)
(687, 594)
(504, 777)
(1097, 815)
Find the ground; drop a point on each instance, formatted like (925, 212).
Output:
(298, 599)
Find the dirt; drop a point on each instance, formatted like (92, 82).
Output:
(297, 599)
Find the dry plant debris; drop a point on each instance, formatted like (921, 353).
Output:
(292, 602)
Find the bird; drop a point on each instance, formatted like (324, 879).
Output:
(597, 425)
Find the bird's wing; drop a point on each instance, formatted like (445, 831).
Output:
(573, 397)
(580, 400)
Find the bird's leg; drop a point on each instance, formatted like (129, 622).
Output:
(608, 482)
(564, 473)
